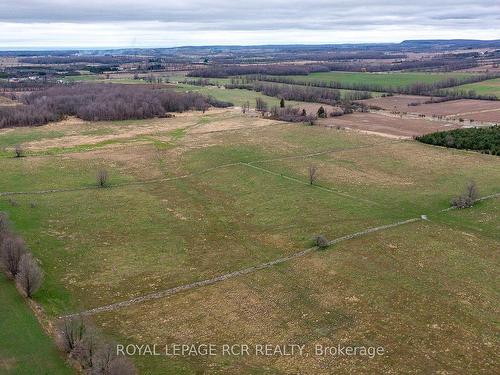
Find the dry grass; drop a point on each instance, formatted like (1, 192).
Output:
(381, 290)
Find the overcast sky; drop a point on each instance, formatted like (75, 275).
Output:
(166, 23)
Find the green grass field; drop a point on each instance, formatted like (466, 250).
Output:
(425, 291)
(489, 87)
(24, 347)
(236, 96)
(384, 80)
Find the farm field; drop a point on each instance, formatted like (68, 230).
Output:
(241, 182)
(488, 87)
(388, 124)
(478, 110)
(384, 80)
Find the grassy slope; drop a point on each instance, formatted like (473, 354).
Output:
(24, 347)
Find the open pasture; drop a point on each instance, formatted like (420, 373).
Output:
(200, 195)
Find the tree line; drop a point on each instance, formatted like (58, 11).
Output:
(300, 93)
(17, 261)
(446, 63)
(485, 140)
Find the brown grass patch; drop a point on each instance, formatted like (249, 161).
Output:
(387, 125)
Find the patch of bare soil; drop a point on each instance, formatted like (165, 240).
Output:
(389, 126)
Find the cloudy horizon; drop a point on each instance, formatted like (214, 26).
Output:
(28, 24)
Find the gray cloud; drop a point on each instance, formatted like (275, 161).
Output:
(267, 13)
(333, 17)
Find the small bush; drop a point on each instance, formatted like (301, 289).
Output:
(320, 241)
(321, 112)
(467, 198)
(18, 151)
(30, 275)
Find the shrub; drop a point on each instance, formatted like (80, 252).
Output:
(18, 151)
(467, 198)
(320, 241)
(30, 275)
(11, 252)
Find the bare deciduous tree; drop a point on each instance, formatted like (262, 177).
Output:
(87, 348)
(261, 105)
(312, 174)
(73, 331)
(107, 362)
(11, 251)
(246, 107)
(102, 177)
(97, 103)
(467, 198)
(5, 229)
(30, 276)
(472, 191)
